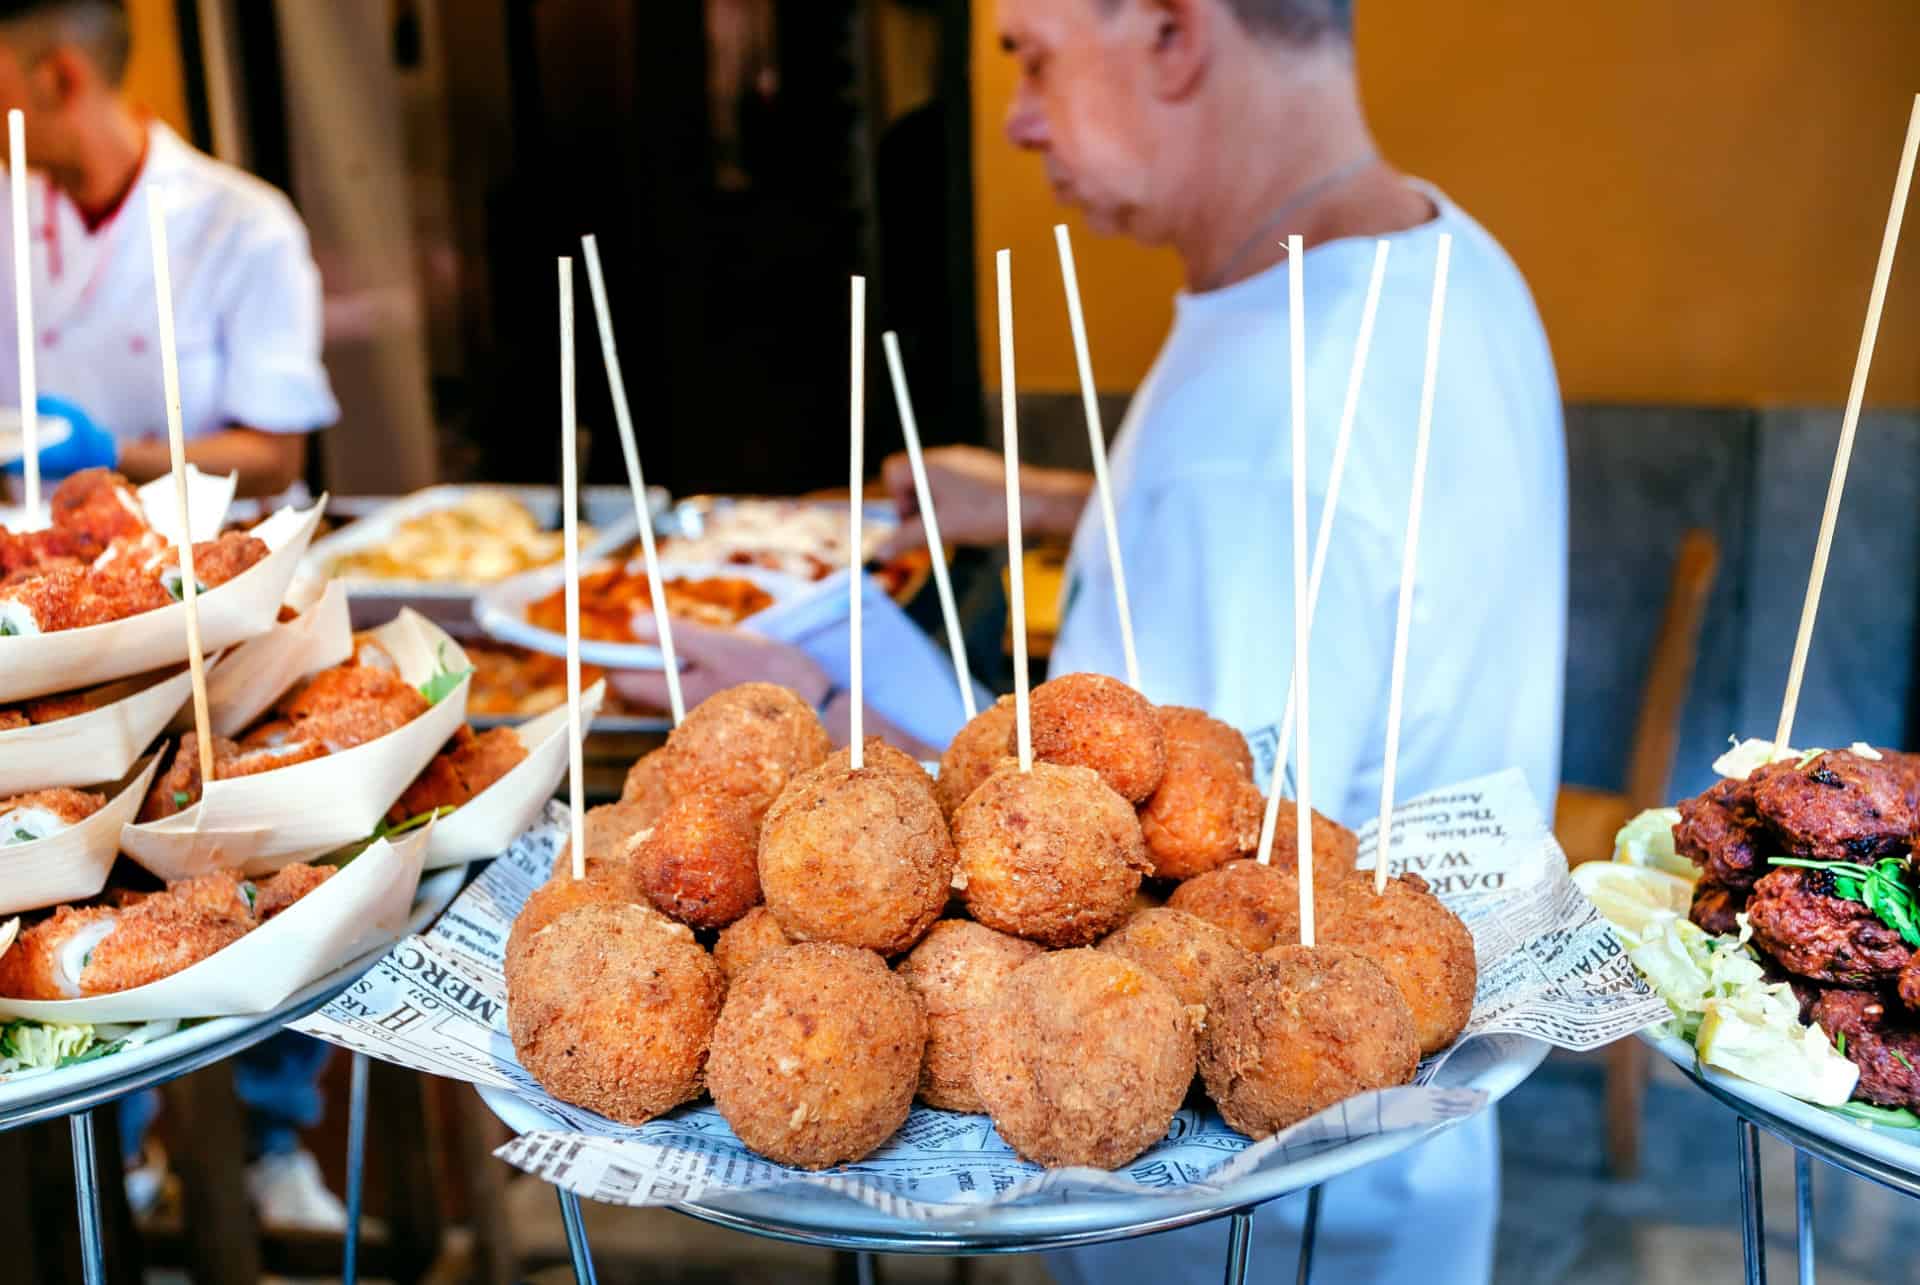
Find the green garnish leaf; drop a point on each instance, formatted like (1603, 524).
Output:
(23, 836)
(1887, 1117)
(97, 1051)
(1902, 1059)
(7, 629)
(444, 680)
(181, 798)
(1881, 887)
(1840, 1043)
(383, 831)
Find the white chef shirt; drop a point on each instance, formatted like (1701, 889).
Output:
(1202, 471)
(246, 298)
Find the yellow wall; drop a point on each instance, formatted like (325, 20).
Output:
(1695, 190)
(154, 78)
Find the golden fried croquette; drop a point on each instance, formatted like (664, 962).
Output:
(1083, 1058)
(1197, 729)
(975, 751)
(816, 1055)
(350, 705)
(861, 858)
(157, 938)
(1335, 848)
(749, 740)
(1204, 814)
(610, 886)
(1186, 952)
(219, 892)
(51, 709)
(178, 788)
(746, 940)
(469, 763)
(97, 506)
(646, 782)
(287, 885)
(1422, 946)
(12, 720)
(1090, 720)
(1256, 905)
(73, 598)
(1304, 1028)
(217, 561)
(878, 754)
(370, 653)
(611, 830)
(45, 960)
(61, 805)
(956, 972)
(1052, 855)
(699, 862)
(267, 748)
(612, 1008)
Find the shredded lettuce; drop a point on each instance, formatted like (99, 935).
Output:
(1647, 840)
(41, 1046)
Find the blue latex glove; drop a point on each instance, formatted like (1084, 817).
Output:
(87, 445)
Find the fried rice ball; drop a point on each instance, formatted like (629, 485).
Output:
(748, 939)
(646, 782)
(1083, 1058)
(1090, 720)
(1257, 906)
(563, 893)
(1305, 1028)
(816, 1055)
(1185, 951)
(1052, 855)
(612, 1008)
(750, 740)
(956, 972)
(1196, 729)
(1204, 814)
(861, 858)
(699, 862)
(1420, 944)
(612, 829)
(973, 754)
(1335, 848)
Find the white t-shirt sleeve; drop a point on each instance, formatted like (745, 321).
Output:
(271, 332)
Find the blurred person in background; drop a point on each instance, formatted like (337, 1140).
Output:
(246, 293)
(247, 318)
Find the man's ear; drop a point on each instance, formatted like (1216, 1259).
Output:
(1182, 34)
(61, 76)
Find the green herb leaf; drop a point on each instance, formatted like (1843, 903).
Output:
(23, 836)
(1840, 1043)
(1902, 1059)
(444, 680)
(1887, 1117)
(181, 798)
(7, 629)
(97, 1051)
(1882, 888)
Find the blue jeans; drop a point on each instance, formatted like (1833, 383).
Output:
(277, 1080)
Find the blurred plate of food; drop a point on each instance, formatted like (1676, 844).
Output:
(511, 684)
(803, 537)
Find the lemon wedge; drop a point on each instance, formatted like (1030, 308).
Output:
(1634, 899)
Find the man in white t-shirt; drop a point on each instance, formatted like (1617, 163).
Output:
(1217, 127)
(246, 294)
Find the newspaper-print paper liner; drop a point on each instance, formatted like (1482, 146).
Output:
(102, 742)
(487, 823)
(243, 684)
(258, 823)
(74, 862)
(244, 607)
(365, 903)
(1551, 970)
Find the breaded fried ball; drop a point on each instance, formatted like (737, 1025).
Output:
(1084, 1056)
(612, 1008)
(1090, 720)
(1051, 855)
(1204, 814)
(563, 893)
(876, 753)
(1257, 906)
(1420, 944)
(1196, 729)
(749, 740)
(861, 858)
(746, 940)
(699, 862)
(1335, 848)
(1186, 952)
(1305, 1028)
(611, 829)
(973, 754)
(646, 783)
(816, 1055)
(956, 972)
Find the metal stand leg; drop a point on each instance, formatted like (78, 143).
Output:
(577, 1238)
(86, 1192)
(1309, 1233)
(1239, 1247)
(864, 1268)
(356, 1167)
(1753, 1218)
(1803, 1209)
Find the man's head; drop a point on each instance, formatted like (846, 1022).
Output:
(61, 62)
(1121, 96)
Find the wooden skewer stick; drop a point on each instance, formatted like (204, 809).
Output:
(177, 454)
(636, 480)
(942, 581)
(1303, 791)
(1336, 474)
(1409, 559)
(23, 311)
(570, 543)
(856, 514)
(1096, 439)
(1016, 569)
(1856, 393)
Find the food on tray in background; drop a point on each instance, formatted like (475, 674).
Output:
(805, 539)
(28, 818)
(612, 595)
(127, 939)
(482, 538)
(101, 562)
(510, 681)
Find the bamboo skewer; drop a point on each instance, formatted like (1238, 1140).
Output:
(1303, 791)
(1403, 623)
(23, 312)
(636, 480)
(1856, 394)
(942, 580)
(856, 513)
(177, 455)
(570, 527)
(1016, 570)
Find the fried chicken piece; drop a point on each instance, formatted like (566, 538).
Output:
(1837, 807)
(1798, 918)
(350, 705)
(469, 764)
(155, 939)
(1884, 1044)
(12, 720)
(69, 807)
(97, 506)
(45, 960)
(1715, 907)
(178, 788)
(287, 885)
(266, 748)
(68, 598)
(218, 893)
(217, 561)
(51, 709)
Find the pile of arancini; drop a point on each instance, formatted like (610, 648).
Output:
(744, 898)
